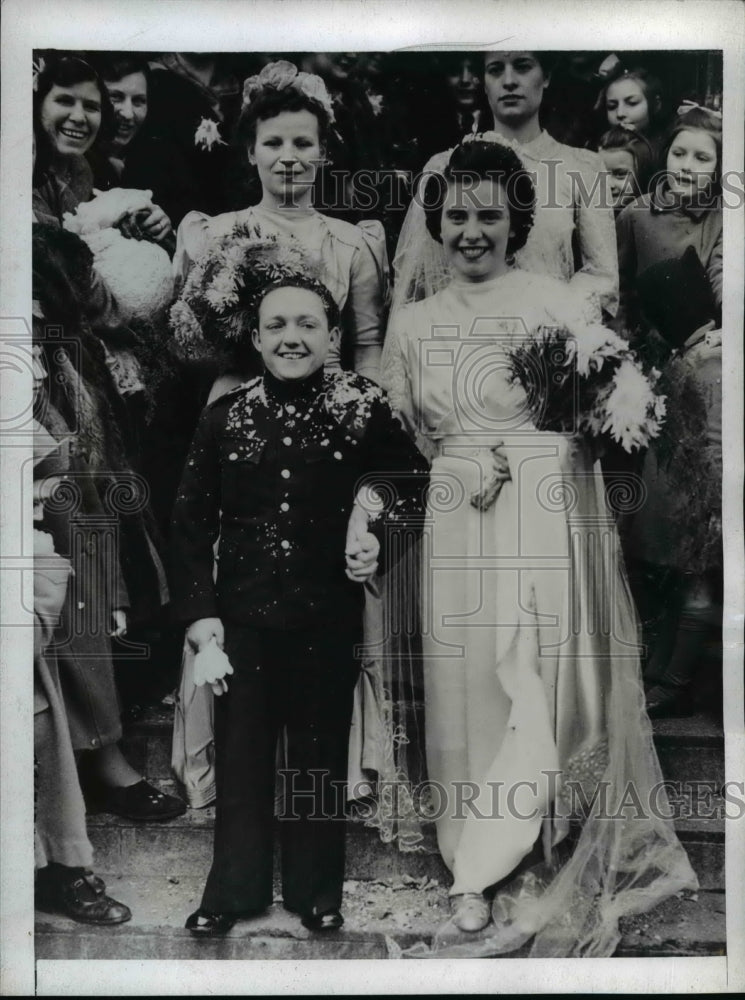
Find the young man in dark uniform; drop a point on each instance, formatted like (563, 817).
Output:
(274, 469)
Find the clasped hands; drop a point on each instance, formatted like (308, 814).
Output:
(362, 548)
(206, 636)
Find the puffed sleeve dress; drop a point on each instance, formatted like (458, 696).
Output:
(353, 263)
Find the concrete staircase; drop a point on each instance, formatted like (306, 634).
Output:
(392, 900)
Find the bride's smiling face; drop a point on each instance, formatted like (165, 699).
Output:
(475, 229)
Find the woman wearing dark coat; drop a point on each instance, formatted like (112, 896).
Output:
(98, 519)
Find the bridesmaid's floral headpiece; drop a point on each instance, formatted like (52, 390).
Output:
(282, 75)
(220, 298)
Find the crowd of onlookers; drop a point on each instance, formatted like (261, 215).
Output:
(116, 406)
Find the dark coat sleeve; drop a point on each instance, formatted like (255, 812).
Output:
(160, 167)
(195, 527)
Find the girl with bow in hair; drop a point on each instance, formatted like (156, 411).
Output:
(670, 264)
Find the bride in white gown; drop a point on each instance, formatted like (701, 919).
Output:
(529, 636)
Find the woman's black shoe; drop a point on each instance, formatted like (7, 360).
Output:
(332, 920)
(80, 895)
(141, 801)
(201, 923)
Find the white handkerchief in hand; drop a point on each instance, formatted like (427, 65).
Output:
(211, 664)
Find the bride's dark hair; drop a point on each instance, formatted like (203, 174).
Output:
(478, 160)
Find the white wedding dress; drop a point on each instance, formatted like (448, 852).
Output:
(529, 636)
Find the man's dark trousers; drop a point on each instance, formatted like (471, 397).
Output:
(303, 680)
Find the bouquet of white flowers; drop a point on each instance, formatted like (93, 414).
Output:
(216, 308)
(589, 382)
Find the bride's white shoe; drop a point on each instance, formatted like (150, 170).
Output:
(470, 911)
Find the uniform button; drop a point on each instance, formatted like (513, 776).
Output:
(284, 543)
(284, 507)
(81, 605)
(287, 440)
(285, 473)
(94, 743)
(233, 456)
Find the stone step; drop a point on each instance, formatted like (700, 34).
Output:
(691, 753)
(382, 918)
(690, 749)
(183, 846)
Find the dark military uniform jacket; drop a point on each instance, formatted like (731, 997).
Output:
(273, 470)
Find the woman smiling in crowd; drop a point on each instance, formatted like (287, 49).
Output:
(573, 237)
(71, 111)
(135, 158)
(285, 125)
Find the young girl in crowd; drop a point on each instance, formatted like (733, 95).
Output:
(683, 209)
(628, 158)
(676, 230)
(634, 100)
(285, 123)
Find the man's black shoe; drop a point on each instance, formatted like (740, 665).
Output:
(332, 920)
(204, 924)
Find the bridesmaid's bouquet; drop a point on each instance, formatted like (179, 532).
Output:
(217, 305)
(588, 383)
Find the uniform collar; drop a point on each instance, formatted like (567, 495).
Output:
(285, 391)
